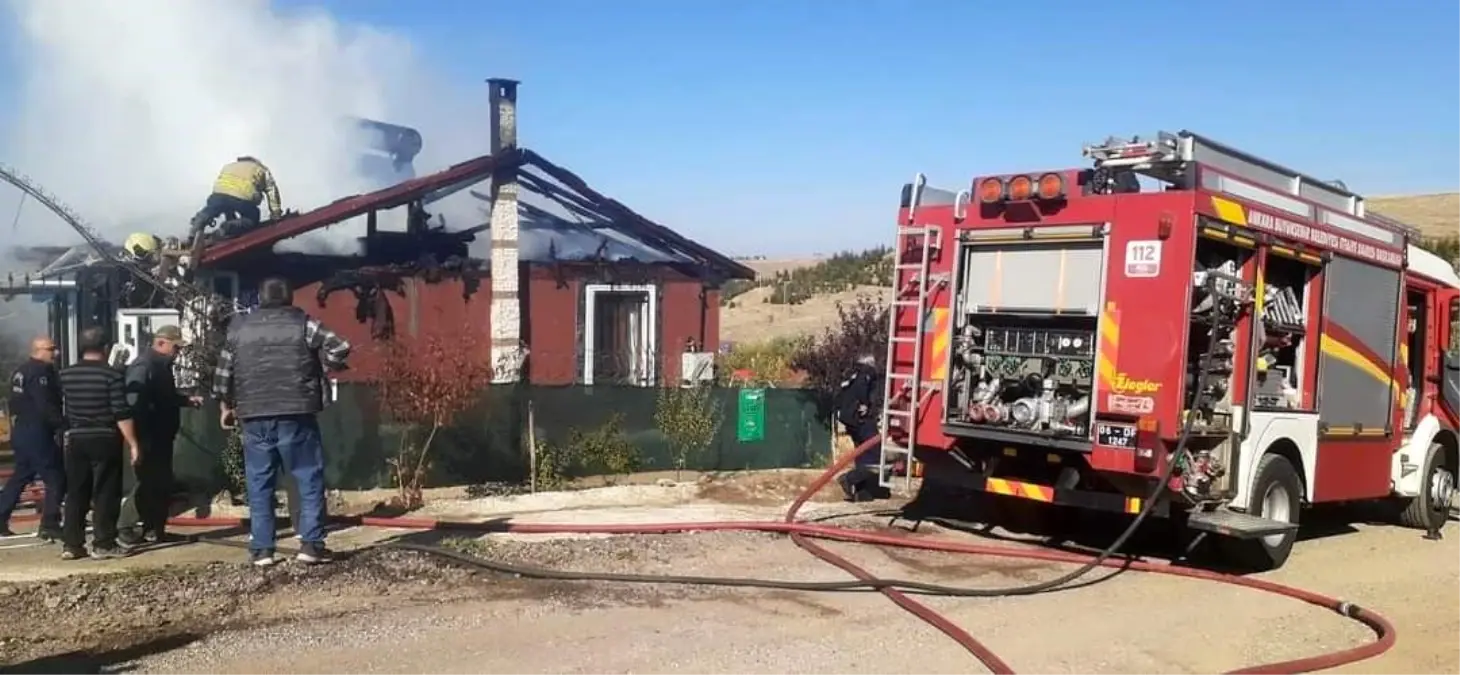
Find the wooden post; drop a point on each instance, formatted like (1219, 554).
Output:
(531, 447)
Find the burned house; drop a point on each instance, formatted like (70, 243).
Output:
(585, 290)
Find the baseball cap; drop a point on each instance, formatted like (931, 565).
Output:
(171, 333)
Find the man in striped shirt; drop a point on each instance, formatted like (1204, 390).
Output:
(270, 376)
(98, 424)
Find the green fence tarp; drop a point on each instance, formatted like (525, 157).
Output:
(488, 443)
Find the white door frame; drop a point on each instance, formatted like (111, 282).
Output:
(651, 320)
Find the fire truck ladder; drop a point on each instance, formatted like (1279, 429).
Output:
(905, 392)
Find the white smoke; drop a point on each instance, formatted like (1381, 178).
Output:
(128, 109)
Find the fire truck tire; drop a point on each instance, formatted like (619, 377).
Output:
(1276, 488)
(1431, 508)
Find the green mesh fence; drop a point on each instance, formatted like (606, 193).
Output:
(489, 443)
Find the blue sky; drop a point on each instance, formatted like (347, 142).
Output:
(789, 126)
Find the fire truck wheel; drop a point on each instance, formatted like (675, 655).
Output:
(1431, 508)
(1277, 493)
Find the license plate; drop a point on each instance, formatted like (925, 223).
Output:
(1115, 435)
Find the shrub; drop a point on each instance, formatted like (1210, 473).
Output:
(690, 418)
(424, 383)
(605, 450)
(760, 364)
(861, 328)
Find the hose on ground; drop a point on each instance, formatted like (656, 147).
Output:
(1383, 630)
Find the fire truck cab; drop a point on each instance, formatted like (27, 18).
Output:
(1180, 328)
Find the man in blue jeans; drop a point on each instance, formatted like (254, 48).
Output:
(270, 377)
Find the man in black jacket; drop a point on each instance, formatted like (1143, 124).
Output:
(858, 407)
(157, 415)
(35, 426)
(271, 377)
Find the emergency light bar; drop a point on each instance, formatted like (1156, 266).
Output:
(1020, 188)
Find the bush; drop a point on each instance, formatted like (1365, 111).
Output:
(760, 364)
(689, 417)
(861, 328)
(424, 383)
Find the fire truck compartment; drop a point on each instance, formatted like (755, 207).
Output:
(1022, 364)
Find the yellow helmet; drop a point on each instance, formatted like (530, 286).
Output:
(141, 245)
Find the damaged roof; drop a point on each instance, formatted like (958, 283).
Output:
(561, 218)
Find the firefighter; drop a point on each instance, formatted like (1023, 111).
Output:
(156, 415)
(857, 405)
(36, 424)
(240, 186)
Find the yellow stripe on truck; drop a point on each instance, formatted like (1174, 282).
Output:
(941, 337)
(1109, 332)
(1229, 211)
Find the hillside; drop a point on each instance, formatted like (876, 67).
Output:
(1436, 215)
(748, 317)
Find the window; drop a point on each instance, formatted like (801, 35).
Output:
(620, 335)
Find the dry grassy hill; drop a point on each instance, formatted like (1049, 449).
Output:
(1436, 215)
(750, 319)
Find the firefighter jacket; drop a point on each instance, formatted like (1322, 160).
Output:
(860, 395)
(248, 179)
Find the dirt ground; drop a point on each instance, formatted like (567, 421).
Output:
(382, 610)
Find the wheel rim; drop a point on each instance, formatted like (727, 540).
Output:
(1442, 489)
(1276, 505)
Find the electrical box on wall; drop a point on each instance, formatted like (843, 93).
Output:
(696, 368)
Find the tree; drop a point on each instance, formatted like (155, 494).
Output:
(861, 328)
(424, 383)
(690, 418)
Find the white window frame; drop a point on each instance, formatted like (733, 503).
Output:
(651, 337)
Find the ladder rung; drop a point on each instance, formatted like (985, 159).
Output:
(906, 303)
(899, 412)
(895, 449)
(906, 230)
(903, 338)
(909, 266)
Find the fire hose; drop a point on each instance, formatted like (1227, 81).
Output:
(802, 534)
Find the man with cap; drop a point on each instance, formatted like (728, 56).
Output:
(157, 413)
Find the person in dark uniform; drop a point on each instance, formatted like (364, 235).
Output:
(858, 405)
(35, 427)
(98, 424)
(157, 415)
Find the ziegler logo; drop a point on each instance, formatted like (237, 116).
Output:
(1125, 384)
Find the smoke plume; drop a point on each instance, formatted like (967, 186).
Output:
(126, 110)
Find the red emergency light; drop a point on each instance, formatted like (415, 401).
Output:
(1021, 188)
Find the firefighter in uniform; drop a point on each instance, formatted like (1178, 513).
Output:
(36, 424)
(857, 406)
(240, 186)
(157, 416)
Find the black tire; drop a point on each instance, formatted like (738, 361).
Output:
(1261, 555)
(1429, 511)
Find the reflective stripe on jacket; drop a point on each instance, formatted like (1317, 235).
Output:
(249, 181)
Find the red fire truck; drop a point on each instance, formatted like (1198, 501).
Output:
(1179, 328)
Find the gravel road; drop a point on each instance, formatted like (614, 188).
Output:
(427, 615)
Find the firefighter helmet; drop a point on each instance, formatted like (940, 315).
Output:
(141, 245)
